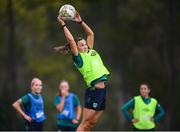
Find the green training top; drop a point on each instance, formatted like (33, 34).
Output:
(91, 67)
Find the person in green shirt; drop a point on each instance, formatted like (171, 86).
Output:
(68, 107)
(146, 111)
(89, 63)
(31, 107)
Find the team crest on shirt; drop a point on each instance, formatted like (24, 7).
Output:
(95, 105)
(93, 53)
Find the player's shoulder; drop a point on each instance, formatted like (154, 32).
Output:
(25, 96)
(25, 99)
(75, 96)
(137, 97)
(154, 100)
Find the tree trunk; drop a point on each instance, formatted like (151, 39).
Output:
(170, 66)
(10, 85)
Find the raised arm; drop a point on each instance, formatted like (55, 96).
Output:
(69, 36)
(87, 29)
(60, 106)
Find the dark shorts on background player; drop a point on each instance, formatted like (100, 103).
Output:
(135, 129)
(34, 126)
(95, 98)
(66, 128)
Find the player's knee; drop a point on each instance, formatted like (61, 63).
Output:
(91, 123)
(87, 125)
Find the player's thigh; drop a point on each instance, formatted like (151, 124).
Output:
(91, 115)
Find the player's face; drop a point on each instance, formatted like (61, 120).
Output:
(37, 87)
(64, 86)
(82, 46)
(144, 90)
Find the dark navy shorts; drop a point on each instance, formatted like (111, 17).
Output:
(34, 126)
(95, 98)
(66, 128)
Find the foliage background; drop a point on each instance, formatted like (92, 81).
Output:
(137, 39)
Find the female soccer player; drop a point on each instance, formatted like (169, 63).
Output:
(146, 110)
(91, 66)
(68, 106)
(31, 107)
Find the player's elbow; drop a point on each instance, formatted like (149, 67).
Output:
(59, 109)
(123, 109)
(162, 112)
(15, 104)
(91, 33)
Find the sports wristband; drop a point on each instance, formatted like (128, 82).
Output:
(80, 22)
(63, 26)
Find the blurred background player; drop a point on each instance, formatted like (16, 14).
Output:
(31, 107)
(146, 111)
(68, 107)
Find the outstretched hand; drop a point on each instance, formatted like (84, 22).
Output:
(77, 18)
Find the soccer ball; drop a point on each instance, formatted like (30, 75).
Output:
(68, 12)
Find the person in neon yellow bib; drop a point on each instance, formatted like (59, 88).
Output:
(90, 65)
(146, 110)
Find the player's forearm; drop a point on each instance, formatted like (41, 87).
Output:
(68, 34)
(127, 115)
(125, 109)
(160, 113)
(70, 40)
(17, 107)
(79, 111)
(60, 106)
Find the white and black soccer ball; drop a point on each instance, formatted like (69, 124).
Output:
(67, 11)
